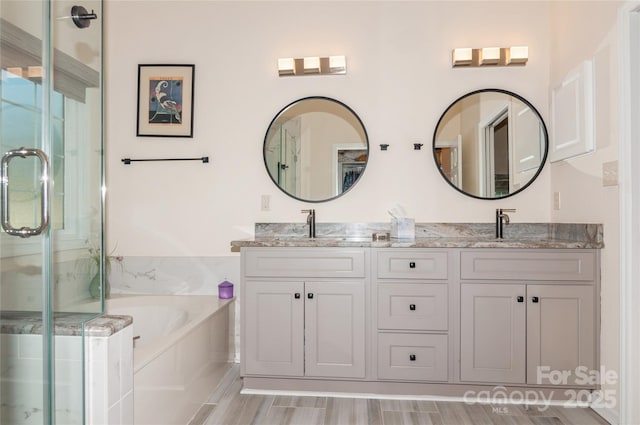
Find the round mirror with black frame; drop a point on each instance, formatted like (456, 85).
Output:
(490, 144)
(316, 149)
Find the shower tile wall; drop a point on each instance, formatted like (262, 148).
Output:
(21, 374)
(22, 287)
(177, 276)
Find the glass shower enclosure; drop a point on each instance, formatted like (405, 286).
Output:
(51, 238)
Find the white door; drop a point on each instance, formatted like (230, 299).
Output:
(450, 159)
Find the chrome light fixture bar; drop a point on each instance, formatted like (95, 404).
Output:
(312, 65)
(490, 56)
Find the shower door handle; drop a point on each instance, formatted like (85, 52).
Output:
(25, 232)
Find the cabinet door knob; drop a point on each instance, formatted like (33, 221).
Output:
(520, 298)
(412, 264)
(535, 299)
(296, 295)
(412, 357)
(412, 307)
(310, 295)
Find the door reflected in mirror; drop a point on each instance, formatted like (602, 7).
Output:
(316, 149)
(490, 144)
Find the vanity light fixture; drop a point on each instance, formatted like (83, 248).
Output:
(337, 65)
(490, 56)
(286, 66)
(462, 56)
(517, 55)
(312, 65)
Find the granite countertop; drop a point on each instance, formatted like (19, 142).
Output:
(70, 324)
(429, 235)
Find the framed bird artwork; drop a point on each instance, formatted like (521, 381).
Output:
(165, 100)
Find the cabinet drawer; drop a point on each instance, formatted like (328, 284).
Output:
(413, 306)
(577, 265)
(304, 262)
(412, 357)
(413, 264)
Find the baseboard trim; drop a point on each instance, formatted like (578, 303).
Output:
(385, 396)
(608, 414)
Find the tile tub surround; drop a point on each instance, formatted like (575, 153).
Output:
(108, 398)
(429, 235)
(173, 275)
(141, 275)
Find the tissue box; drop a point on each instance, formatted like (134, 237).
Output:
(403, 228)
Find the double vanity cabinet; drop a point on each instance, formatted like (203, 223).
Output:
(412, 318)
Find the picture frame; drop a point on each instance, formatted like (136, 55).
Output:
(165, 100)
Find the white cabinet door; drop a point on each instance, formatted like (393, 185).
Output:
(492, 333)
(554, 328)
(560, 334)
(335, 329)
(274, 328)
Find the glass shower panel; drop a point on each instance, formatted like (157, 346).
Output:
(26, 343)
(76, 159)
(51, 94)
(76, 198)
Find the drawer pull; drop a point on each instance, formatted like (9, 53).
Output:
(412, 307)
(412, 264)
(297, 295)
(535, 299)
(412, 357)
(310, 295)
(520, 298)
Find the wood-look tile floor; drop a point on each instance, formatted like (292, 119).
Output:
(227, 406)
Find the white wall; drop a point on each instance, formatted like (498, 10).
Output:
(579, 180)
(399, 81)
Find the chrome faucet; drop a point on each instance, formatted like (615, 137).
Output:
(311, 221)
(501, 218)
